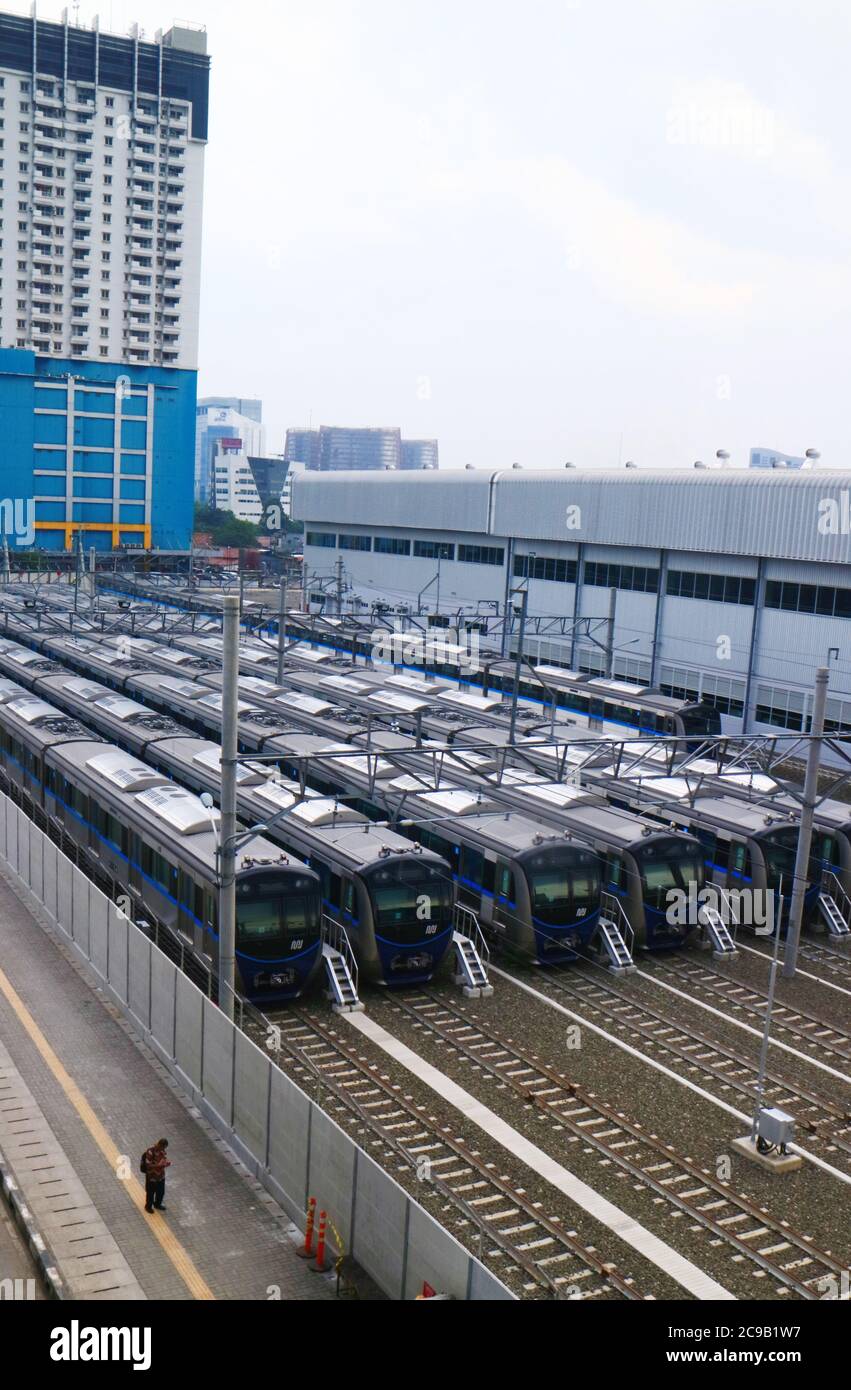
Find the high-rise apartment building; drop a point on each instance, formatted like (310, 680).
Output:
(302, 446)
(101, 200)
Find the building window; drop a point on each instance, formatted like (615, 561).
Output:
(808, 598)
(718, 588)
(725, 693)
(355, 542)
(635, 577)
(680, 683)
(783, 708)
(434, 550)
(543, 567)
(481, 555)
(326, 539)
(392, 545)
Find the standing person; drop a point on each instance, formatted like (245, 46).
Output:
(155, 1164)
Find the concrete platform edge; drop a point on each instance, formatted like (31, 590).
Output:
(26, 1224)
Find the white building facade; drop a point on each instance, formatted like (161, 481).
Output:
(732, 586)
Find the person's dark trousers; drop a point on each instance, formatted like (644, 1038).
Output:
(154, 1193)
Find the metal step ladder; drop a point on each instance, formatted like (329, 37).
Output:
(836, 923)
(723, 945)
(620, 958)
(471, 954)
(340, 968)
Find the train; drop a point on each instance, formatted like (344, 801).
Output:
(156, 842)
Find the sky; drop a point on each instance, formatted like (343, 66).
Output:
(585, 230)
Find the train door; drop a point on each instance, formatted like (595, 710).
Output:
(504, 899)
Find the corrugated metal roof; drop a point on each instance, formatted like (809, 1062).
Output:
(780, 515)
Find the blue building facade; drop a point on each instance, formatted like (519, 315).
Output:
(103, 449)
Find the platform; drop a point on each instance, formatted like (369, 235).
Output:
(94, 1098)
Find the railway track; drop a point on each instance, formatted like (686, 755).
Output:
(819, 1119)
(836, 962)
(822, 1039)
(534, 1254)
(770, 1246)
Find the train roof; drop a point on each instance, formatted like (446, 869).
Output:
(726, 812)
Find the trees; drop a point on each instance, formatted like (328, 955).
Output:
(224, 528)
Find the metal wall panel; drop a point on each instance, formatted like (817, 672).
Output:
(433, 1259)
(99, 933)
(163, 988)
(380, 1223)
(64, 893)
(139, 975)
(460, 503)
(35, 878)
(82, 891)
(251, 1096)
(189, 1029)
(12, 837)
(51, 861)
(290, 1116)
(217, 1071)
(118, 929)
(331, 1172)
(25, 825)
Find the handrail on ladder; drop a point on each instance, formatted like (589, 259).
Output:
(336, 936)
(611, 906)
(466, 923)
(729, 901)
(837, 892)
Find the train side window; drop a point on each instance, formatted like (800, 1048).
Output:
(348, 897)
(488, 875)
(721, 853)
(505, 883)
(614, 871)
(472, 864)
(335, 890)
(740, 860)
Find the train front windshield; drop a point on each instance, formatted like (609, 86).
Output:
(564, 884)
(700, 719)
(666, 865)
(277, 914)
(780, 848)
(409, 899)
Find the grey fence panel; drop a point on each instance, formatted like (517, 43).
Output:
(64, 893)
(25, 825)
(163, 988)
(434, 1258)
(189, 1029)
(139, 975)
(83, 893)
(331, 1172)
(485, 1286)
(118, 929)
(5, 803)
(217, 1072)
(251, 1096)
(36, 873)
(12, 837)
(51, 858)
(380, 1224)
(289, 1142)
(99, 933)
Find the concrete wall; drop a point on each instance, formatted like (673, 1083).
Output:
(292, 1147)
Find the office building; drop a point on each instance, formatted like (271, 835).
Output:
(217, 423)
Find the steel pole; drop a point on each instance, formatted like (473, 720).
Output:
(805, 836)
(227, 849)
(282, 610)
(610, 633)
(524, 605)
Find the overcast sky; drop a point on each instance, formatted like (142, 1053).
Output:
(576, 229)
